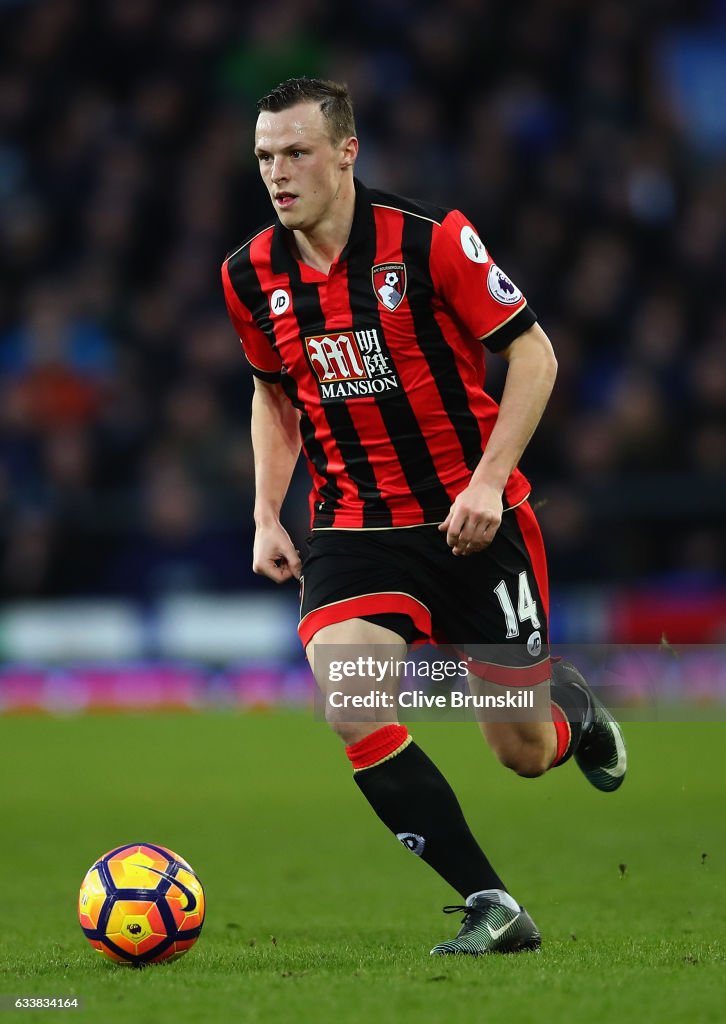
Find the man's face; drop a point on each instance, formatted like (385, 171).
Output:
(299, 164)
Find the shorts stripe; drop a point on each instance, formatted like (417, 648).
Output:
(532, 537)
(509, 675)
(366, 604)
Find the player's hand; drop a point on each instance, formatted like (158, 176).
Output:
(274, 554)
(473, 519)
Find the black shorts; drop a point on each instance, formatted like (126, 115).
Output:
(491, 606)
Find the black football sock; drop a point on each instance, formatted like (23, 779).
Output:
(574, 703)
(411, 796)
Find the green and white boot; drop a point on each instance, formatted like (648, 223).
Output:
(493, 923)
(601, 754)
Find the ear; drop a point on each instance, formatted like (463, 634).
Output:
(349, 152)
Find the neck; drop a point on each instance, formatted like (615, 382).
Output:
(320, 246)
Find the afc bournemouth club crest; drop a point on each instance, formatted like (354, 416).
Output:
(389, 283)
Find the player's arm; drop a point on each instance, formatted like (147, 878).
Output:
(476, 514)
(275, 440)
(276, 446)
(530, 378)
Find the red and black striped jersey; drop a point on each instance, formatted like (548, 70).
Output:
(382, 356)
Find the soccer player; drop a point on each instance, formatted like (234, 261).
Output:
(364, 316)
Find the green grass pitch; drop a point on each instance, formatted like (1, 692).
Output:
(315, 913)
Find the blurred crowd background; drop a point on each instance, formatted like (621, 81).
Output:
(585, 141)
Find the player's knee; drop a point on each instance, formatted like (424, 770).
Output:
(349, 732)
(528, 759)
(532, 766)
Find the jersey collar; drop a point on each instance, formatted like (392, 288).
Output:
(281, 253)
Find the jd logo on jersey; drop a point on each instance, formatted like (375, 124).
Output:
(389, 283)
(279, 302)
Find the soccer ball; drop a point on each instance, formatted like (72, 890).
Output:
(141, 904)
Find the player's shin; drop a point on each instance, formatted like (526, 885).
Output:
(570, 712)
(411, 796)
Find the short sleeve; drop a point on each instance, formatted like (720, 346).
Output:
(468, 280)
(263, 359)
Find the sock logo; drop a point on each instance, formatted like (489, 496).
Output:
(412, 842)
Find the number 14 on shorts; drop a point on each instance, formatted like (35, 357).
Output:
(526, 606)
